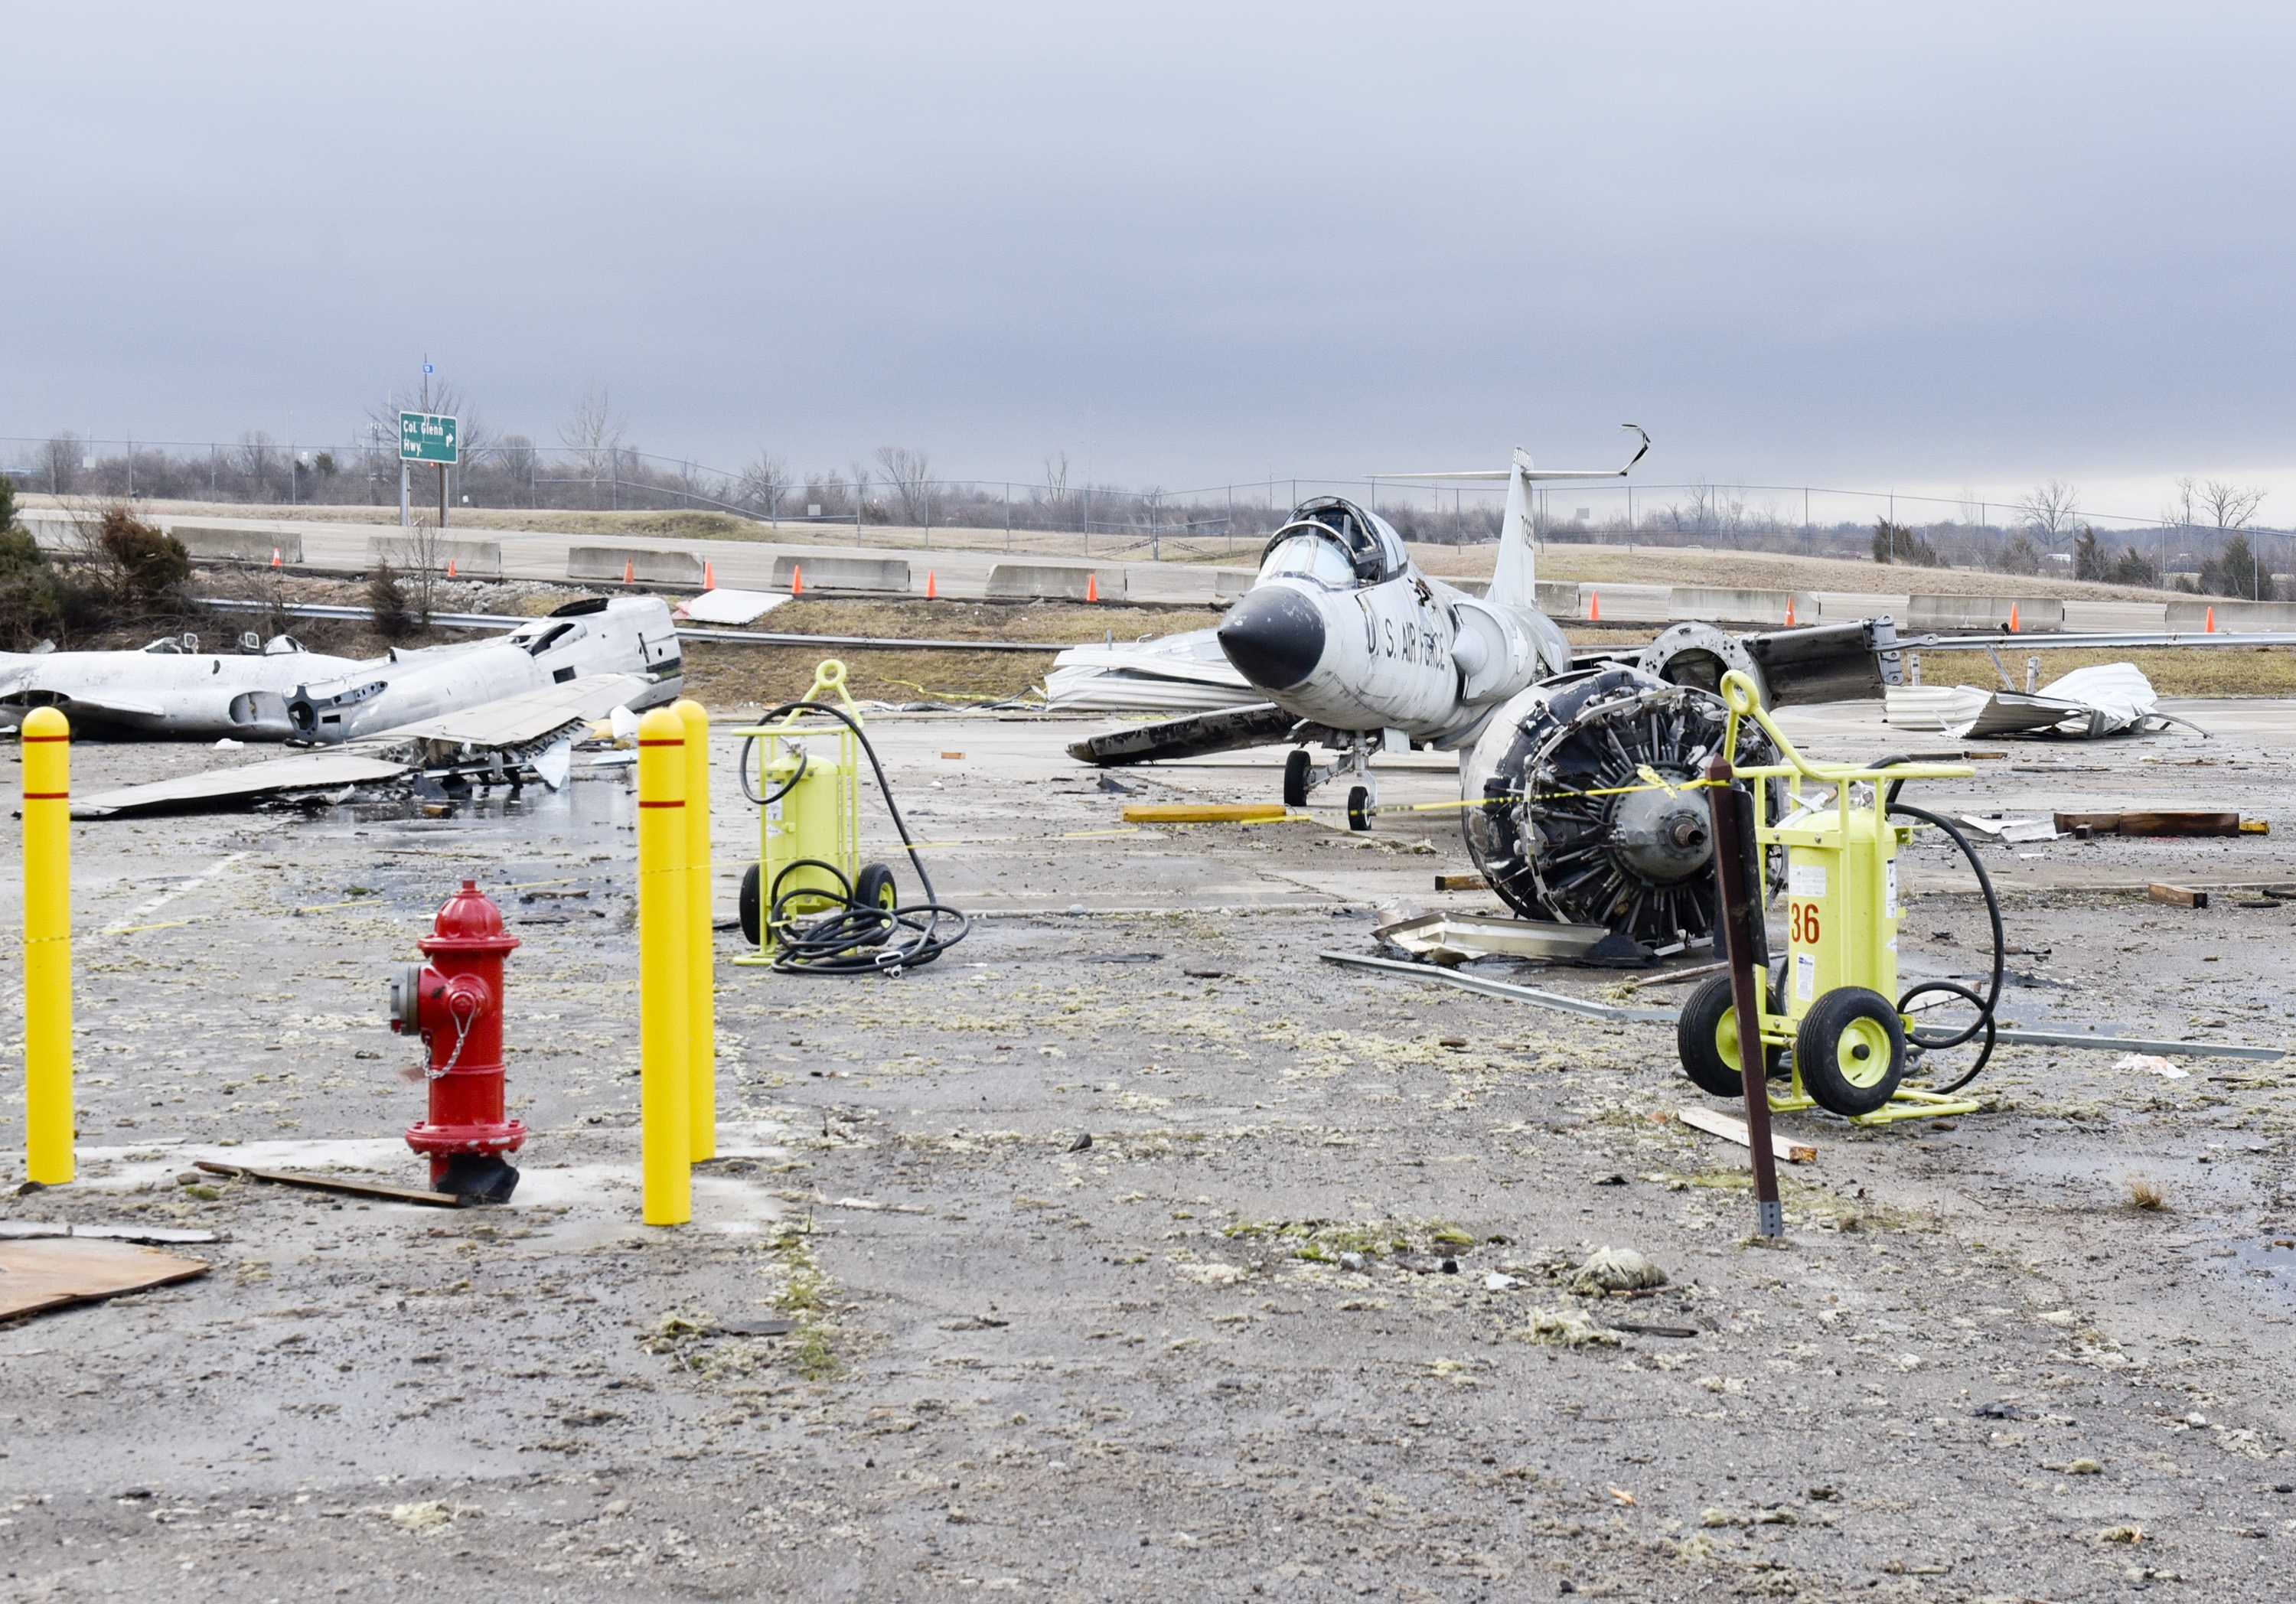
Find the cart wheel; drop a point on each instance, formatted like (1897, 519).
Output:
(1359, 809)
(751, 926)
(1295, 778)
(874, 887)
(1851, 1049)
(1706, 1040)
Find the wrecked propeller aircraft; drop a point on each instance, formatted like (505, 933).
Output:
(1572, 763)
(496, 710)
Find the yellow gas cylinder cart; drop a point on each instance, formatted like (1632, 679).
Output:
(803, 774)
(1833, 1014)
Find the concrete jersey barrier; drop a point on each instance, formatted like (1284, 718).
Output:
(885, 575)
(1049, 582)
(1926, 613)
(680, 569)
(477, 558)
(2191, 618)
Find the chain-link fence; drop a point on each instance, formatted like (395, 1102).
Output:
(902, 503)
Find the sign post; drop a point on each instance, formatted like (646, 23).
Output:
(427, 437)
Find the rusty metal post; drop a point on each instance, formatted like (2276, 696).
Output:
(1746, 945)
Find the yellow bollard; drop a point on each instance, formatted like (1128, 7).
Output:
(665, 1128)
(702, 951)
(47, 947)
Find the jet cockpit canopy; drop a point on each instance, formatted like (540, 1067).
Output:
(1335, 543)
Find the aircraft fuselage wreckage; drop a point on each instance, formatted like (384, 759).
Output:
(498, 709)
(1569, 760)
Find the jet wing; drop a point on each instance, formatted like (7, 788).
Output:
(1198, 734)
(512, 727)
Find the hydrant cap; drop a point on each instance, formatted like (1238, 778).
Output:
(468, 922)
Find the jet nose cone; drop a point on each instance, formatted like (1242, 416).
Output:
(1274, 637)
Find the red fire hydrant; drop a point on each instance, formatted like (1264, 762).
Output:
(454, 1003)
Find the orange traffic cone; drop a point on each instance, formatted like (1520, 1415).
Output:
(797, 580)
(708, 575)
(2211, 624)
(1789, 623)
(450, 568)
(932, 587)
(1092, 587)
(2012, 618)
(629, 571)
(274, 558)
(1594, 606)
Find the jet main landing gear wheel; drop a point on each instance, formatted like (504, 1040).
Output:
(1295, 778)
(1359, 806)
(1851, 1051)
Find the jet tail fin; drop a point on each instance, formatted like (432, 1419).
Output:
(1515, 581)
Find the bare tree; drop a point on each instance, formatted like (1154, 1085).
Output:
(60, 459)
(858, 470)
(1056, 476)
(2048, 513)
(416, 560)
(910, 472)
(594, 434)
(2231, 506)
(518, 458)
(764, 482)
(257, 459)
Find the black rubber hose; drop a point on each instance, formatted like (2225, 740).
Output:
(1991, 1000)
(857, 940)
(802, 760)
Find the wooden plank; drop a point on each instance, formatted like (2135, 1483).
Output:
(1458, 882)
(2180, 821)
(334, 1184)
(1202, 813)
(2097, 823)
(2177, 896)
(1732, 1129)
(40, 1276)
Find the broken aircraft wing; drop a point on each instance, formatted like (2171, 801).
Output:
(513, 722)
(1195, 736)
(248, 783)
(1182, 673)
(506, 732)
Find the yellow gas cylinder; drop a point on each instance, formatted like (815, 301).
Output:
(1841, 899)
(805, 846)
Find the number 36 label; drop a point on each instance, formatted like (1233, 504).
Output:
(1801, 923)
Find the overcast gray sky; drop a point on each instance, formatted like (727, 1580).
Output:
(1941, 245)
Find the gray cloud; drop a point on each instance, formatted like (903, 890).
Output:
(1952, 244)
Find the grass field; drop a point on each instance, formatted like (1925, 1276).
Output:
(1619, 564)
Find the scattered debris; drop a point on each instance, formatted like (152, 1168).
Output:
(1453, 939)
(2105, 699)
(1567, 1327)
(2000, 827)
(335, 1183)
(1616, 1270)
(1636, 1328)
(2151, 1064)
(1696, 971)
(429, 1516)
(1458, 882)
(40, 1276)
(731, 606)
(2147, 1195)
(24, 1231)
(1731, 1129)
(1081, 1143)
(2177, 896)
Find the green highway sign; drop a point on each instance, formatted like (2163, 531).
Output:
(427, 437)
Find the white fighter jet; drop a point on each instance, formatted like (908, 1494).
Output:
(1563, 755)
(497, 707)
